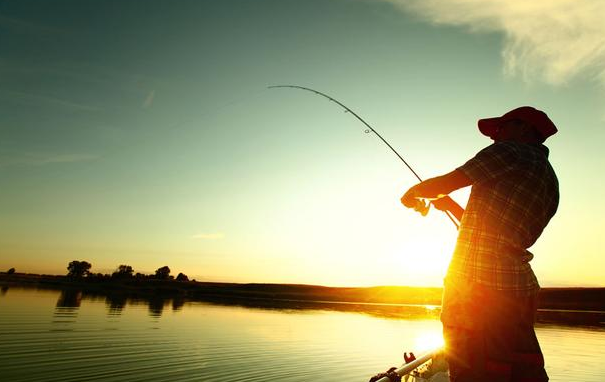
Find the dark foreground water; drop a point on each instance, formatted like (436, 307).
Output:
(61, 336)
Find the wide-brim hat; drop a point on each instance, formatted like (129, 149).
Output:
(534, 117)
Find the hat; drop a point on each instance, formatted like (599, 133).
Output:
(536, 118)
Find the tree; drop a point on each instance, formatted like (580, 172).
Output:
(182, 277)
(162, 273)
(78, 268)
(123, 271)
(11, 271)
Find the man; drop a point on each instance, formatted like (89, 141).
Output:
(489, 300)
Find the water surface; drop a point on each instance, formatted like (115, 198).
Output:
(65, 336)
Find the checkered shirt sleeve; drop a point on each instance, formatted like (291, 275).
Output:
(491, 163)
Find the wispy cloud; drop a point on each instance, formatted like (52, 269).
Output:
(39, 159)
(209, 236)
(149, 100)
(549, 40)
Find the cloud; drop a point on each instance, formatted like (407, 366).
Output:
(209, 236)
(38, 159)
(549, 40)
(149, 100)
(66, 158)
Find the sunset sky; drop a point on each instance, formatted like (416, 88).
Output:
(143, 133)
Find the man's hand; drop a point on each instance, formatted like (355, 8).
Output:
(410, 198)
(437, 188)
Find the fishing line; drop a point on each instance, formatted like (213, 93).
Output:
(370, 129)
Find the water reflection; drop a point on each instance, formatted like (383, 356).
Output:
(395, 311)
(70, 300)
(156, 306)
(66, 310)
(219, 340)
(3, 290)
(115, 303)
(177, 303)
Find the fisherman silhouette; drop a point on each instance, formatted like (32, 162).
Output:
(490, 290)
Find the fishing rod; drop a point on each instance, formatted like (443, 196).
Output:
(422, 209)
(407, 368)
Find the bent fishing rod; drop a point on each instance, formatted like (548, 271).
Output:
(370, 129)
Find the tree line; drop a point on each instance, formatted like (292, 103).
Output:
(81, 269)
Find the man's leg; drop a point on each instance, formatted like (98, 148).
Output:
(463, 354)
(511, 343)
(464, 342)
(489, 335)
(528, 361)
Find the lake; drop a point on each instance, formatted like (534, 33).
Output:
(50, 335)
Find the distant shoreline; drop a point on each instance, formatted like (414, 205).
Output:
(571, 299)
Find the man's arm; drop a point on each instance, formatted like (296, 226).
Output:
(438, 188)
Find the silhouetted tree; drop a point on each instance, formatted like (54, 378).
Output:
(78, 268)
(123, 272)
(96, 277)
(162, 273)
(139, 276)
(11, 271)
(182, 277)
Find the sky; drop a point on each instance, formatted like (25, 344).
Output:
(144, 133)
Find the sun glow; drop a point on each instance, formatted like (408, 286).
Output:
(423, 259)
(428, 340)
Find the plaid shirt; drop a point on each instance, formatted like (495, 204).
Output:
(515, 193)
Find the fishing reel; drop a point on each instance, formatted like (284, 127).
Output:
(422, 207)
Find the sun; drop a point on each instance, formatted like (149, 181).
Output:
(426, 341)
(423, 261)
